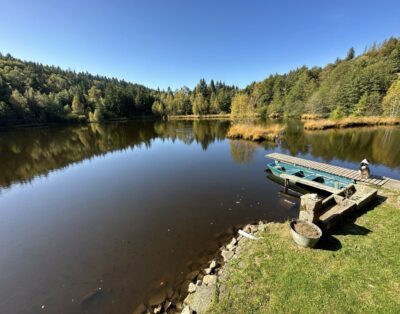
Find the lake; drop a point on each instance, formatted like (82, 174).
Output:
(133, 207)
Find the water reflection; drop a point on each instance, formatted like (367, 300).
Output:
(168, 195)
(378, 144)
(26, 153)
(243, 152)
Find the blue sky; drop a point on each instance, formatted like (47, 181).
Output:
(177, 42)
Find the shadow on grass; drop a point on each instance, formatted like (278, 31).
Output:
(347, 227)
(328, 243)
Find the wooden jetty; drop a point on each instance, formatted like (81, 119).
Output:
(339, 171)
(330, 210)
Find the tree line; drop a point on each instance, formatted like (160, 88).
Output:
(368, 84)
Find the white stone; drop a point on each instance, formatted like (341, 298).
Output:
(192, 287)
(186, 310)
(210, 279)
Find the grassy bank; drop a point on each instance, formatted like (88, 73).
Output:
(255, 132)
(355, 270)
(350, 122)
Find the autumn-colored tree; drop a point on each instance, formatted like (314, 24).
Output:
(391, 102)
(243, 106)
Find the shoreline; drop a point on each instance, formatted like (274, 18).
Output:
(253, 274)
(197, 292)
(325, 124)
(76, 122)
(200, 117)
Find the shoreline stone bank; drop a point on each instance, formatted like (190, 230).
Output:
(203, 286)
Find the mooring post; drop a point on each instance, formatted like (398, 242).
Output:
(310, 207)
(286, 187)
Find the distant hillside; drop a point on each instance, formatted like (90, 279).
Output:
(368, 84)
(35, 93)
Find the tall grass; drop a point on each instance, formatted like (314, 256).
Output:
(255, 132)
(350, 122)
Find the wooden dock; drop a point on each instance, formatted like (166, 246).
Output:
(339, 171)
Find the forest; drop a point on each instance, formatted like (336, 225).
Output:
(357, 85)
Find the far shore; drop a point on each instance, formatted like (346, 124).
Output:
(349, 122)
(224, 116)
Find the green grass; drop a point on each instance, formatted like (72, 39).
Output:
(355, 270)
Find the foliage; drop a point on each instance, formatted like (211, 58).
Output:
(243, 106)
(353, 86)
(35, 93)
(391, 102)
(357, 85)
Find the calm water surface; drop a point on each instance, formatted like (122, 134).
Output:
(127, 206)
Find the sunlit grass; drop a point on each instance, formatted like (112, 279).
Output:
(255, 132)
(354, 271)
(350, 122)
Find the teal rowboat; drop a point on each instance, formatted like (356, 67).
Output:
(281, 169)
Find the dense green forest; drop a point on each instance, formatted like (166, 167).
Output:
(364, 85)
(367, 84)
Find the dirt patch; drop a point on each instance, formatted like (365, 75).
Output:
(306, 230)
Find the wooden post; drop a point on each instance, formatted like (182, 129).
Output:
(286, 187)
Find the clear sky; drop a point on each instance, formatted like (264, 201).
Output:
(176, 42)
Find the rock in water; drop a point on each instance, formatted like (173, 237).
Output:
(232, 244)
(213, 264)
(157, 309)
(140, 309)
(192, 275)
(158, 298)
